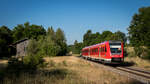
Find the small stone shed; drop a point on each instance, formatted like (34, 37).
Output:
(21, 47)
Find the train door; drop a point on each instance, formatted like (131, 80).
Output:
(89, 52)
(96, 52)
(103, 52)
(100, 52)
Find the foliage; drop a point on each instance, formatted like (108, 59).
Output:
(5, 41)
(52, 44)
(37, 49)
(51, 33)
(119, 36)
(33, 58)
(106, 35)
(90, 38)
(76, 49)
(61, 41)
(44, 43)
(33, 61)
(48, 47)
(26, 30)
(87, 38)
(139, 30)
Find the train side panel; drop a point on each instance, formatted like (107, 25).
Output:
(108, 51)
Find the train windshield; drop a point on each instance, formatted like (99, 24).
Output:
(115, 48)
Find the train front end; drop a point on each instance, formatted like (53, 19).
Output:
(116, 51)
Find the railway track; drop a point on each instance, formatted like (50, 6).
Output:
(132, 72)
(141, 75)
(139, 72)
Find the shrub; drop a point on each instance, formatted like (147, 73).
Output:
(33, 61)
(138, 51)
(64, 63)
(48, 47)
(33, 47)
(147, 54)
(142, 52)
(52, 63)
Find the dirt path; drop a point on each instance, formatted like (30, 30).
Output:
(3, 63)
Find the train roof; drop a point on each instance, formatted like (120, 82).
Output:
(101, 43)
(95, 45)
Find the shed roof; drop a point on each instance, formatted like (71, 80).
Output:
(19, 41)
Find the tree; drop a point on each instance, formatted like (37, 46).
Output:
(26, 30)
(51, 33)
(87, 38)
(33, 31)
(95, 38)
(118, 36)
(105, 36)
(18, 32)
(139, 31)
(77, 47)
(5, 40)
(90, 38)
(61, 41)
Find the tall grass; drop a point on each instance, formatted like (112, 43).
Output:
(63, 70)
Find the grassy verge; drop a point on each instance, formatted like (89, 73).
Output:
(138, 62)
(66, 70)
(135, 60)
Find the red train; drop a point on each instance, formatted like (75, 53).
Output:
(106, 52)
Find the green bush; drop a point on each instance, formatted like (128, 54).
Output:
(131, 54)
(52, 63)
(33, 61)
(147, 54)
(47, 47)
(138, 51)
(64, 63)
(142, 52)
(33, 47)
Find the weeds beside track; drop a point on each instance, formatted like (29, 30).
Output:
(132, 72)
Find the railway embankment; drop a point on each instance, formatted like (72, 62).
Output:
(127, 69)
(138, 62)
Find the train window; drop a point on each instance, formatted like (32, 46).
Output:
(114, 43)
(101, 49)
(96, 49)
(92, 50)
(105, 49)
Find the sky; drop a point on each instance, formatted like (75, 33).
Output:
(74, 17)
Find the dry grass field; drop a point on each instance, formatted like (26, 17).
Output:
(68, 70)
(138, 62)
(84, 72)
(3, 63)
